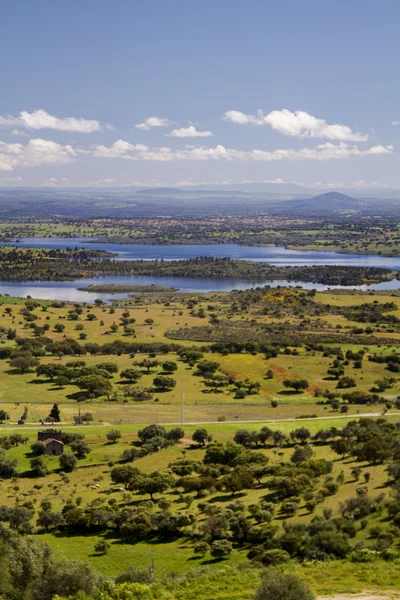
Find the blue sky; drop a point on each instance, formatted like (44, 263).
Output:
(223, 92)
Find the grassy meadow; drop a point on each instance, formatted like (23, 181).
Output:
(222, 412)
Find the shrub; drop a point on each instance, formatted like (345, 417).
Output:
(221, 548)
(282, 586)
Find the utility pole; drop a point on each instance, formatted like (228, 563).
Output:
(183, 409)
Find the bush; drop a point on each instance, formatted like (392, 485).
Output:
(102, 547)
(201, 548)
(273, 557)
(68, 462)
(38, 448)
(221, 548)
(282, 586)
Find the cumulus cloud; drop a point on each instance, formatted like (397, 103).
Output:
(33, 154)
(40, 119)
(153, 122)
(189, 132)
(106, 181)
(297, 124)
(322, 152)
(321, 185)
(361, 183)
(19, 133)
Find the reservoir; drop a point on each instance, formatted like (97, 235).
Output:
(274, 255)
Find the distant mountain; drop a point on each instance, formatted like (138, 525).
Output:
(330, 202)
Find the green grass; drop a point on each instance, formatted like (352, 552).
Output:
(174, 556)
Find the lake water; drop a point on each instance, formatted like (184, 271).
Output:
(278, 256)
(274, 255)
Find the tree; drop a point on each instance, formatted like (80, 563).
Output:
(282, 586)
(164, 382)
(4, 416)
(95, 385)
(201, 436)
(8, 466)
(110, 367)
(59, 327)
(221, 548)
(126, 475)
(17, 438)
(297, 384)
(169, 366)
(131, 375)
(148, 363)
(38, 448)
(237, 481)
(175, 434)
(346, 382)
(38, 467)
(151, 431)
(23, 363)
(67, 462)
(49, 519)
(80, 448)
(113, 435)
(245, 437)
(50, 370)
(207, 366)
(154, 483)
(301, 454)
(149, 321)
(55, 413)
(342, 446)
(62, 381)
(301, 434)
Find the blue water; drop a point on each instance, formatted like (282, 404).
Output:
(279, 256)
(274, 255)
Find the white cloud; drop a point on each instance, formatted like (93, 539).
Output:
(10, 179)
(33, 154)
(320, 184)
(322, 152)
(297, 124)
(235, 116)
(40, 119)
(153, 122)
(106, 181)
(361, 183)
(395, 123)
(190, 131)
(278, 181)
(19, 133)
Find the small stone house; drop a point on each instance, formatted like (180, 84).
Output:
(52, 439)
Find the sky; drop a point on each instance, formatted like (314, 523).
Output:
(140, 93)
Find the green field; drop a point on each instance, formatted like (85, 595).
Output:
(219, 408)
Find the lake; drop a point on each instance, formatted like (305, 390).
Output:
(278, 256)
(274, 255)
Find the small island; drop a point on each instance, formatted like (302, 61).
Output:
(120, 288)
